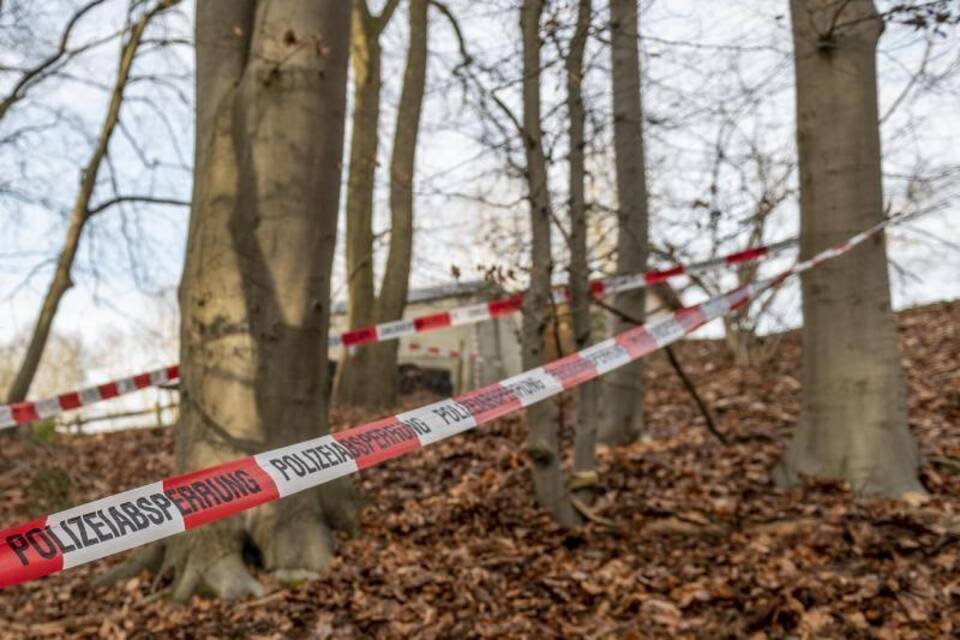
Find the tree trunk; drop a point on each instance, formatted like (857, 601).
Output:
(623, 392)
(585, 439)
(80, 212)
(352, 387)
(271, 84)
(853, 422)
(381, 380)
(739, 339)
(543, 438)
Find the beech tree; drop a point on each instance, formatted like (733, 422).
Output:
(542, 440)
(366, 376)
(623, 417)
(588, 405)
(271, 92)
(853, 422)
(396, 277)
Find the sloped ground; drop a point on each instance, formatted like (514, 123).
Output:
(691, 539)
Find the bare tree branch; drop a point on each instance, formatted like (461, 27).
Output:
(103, 206)
(37, 73)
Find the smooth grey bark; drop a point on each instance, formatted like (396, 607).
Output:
(352, 386)
(80, 213)
(390, 304)
(271, 89)
(853, 419)
(588, 399)
(543, 438)
(622, 421)
(393, 294)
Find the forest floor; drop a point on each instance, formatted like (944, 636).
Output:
(691, 538)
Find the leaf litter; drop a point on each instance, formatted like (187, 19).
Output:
(692, 539)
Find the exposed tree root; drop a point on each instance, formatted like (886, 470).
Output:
(676, 526)
(342, 502)
(292, 537)
(946, 461)
(592, 515)
(149, 558)
(295, 542)
(209, 561)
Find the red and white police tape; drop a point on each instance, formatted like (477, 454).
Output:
(152, 512)
(22, 412)
(505, 306)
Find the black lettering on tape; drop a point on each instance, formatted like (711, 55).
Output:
(395, 329)
(384, 438)
(85, 539)
(235, 485)
(97, 527)
(47, 550)
(248, 481)
(311, 460)
(362, 446)
(179, 502)
(452, 413)
(357, 447)
(76, 541)
(572, 368)
(92, 528)
(349, 446)
(164, 503)
(56, 539)
(375, 439)
(206, 493)
(19, 544)
(133, 513)
(153, 514)
(419, 427)
(527, 387)
(304, 460)
(387, 436)
(110, 525)
(443, 412)
(123, 523)
(295, 465)
(606, 355)
(221, 490)
(280, 466)
(636, 338)
(487, 400)
(664, 330)
(321, 457)
(344, 453)
(192, 499)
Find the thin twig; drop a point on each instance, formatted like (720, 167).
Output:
(704, 410)
(945, 461)
(675, 363)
